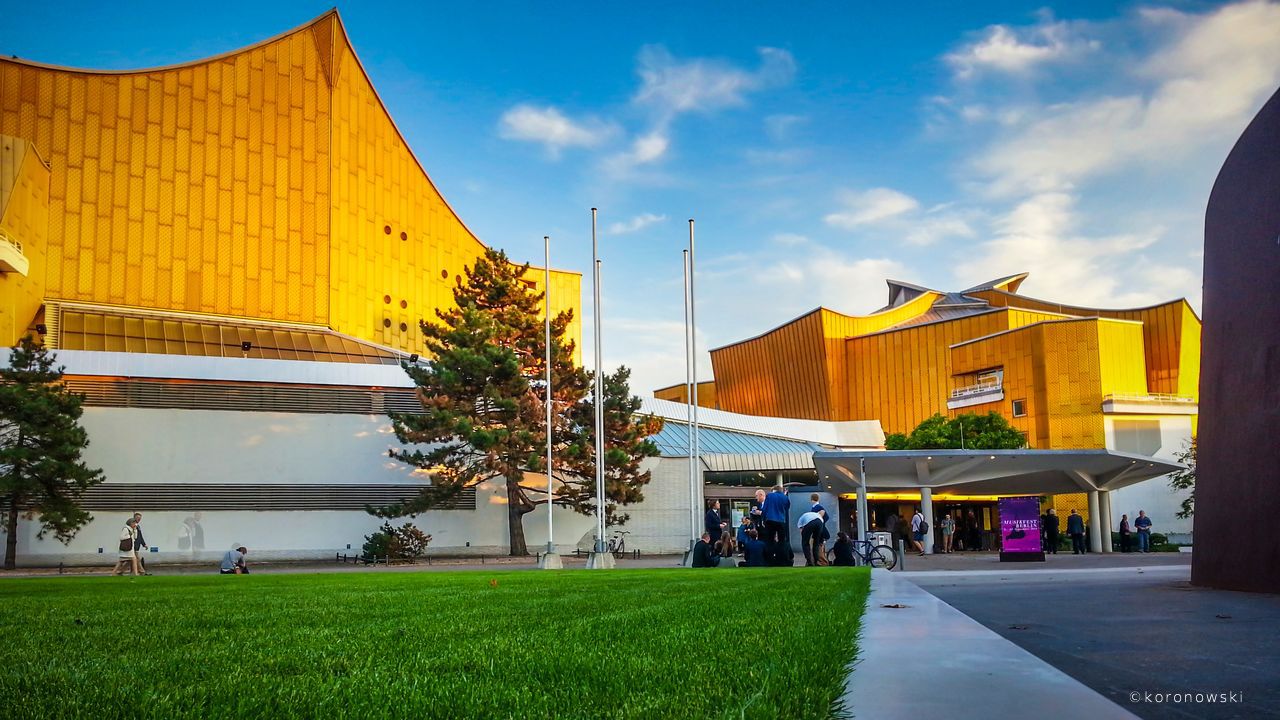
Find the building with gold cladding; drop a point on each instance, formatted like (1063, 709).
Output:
(230, 257)
(261, 196)
(1069, 377)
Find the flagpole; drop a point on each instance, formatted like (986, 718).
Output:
(688, 411)
(693, 346)
(550, 559)
(600, 558)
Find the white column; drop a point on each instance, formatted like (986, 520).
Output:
(862, 512)
(1095, 523)
(1104, 509)
(926, 508)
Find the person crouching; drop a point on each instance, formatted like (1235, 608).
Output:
(233, 562)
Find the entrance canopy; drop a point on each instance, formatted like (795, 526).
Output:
(987, 472)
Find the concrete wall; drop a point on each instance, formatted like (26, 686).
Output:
(660, 524)
(1154, 496)
(140, 446)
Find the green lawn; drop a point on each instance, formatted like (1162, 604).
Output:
(573, 644)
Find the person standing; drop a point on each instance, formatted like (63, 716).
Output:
(777, 508)
(757, 511)
(974, 538)
(1124, 533)
(948, 530)
(811, 525)
(918, 531)
(1143, 525)
(714, 526)
(1075, 528)
(1051, 531)
(140, 545)
(816, 506)
(127, 558)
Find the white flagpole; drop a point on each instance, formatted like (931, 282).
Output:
(600, 509)
(694, 510)
(693, 346)
(546, 304)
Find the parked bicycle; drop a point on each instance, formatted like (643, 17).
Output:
(618, 543)
(877, 556)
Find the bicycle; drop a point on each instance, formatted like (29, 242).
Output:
(618, 543)
(877, 556)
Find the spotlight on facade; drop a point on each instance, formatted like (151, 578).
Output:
(246, 346)
(42, 329)
(413, 359)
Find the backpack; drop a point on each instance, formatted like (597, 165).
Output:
(924, 527)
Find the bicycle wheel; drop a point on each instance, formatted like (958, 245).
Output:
(883, 556)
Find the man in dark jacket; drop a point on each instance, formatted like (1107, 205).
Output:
(777, 509)
(752, 550)
(1051, 531)
(714, 526)
(702, 553)
(1075, 528)
(140, 545)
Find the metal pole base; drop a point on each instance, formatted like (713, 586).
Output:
(600, 561)
(688, 555)
(550, 561)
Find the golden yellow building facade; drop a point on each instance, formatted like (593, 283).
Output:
(262, 196)
(1064, 375)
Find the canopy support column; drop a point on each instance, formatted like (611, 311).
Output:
(1095, 523)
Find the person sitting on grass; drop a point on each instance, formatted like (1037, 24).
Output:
(843, 550)
(747, 524)
(752, 550)
(725, 547)
(703, 555)
(233, 562)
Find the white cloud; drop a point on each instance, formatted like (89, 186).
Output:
(1203, 87)
(933, 229)
(1018, 50)
(549, 127)
(635, 224)
(779, 127)
(670, 87)
(1040, 236)
(702, 84)
(869, 206)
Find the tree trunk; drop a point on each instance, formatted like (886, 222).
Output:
(517, 507)
(11, 536)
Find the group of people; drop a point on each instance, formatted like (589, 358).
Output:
(1049, 528)
(764, 536)
(963, 532)
(133, 545)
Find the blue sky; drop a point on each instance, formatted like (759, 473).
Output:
(822, 147)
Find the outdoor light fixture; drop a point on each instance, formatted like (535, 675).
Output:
(993, 457)
(246, 346)
(42, 329)
(413, 358)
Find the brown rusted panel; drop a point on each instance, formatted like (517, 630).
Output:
(1238, 485)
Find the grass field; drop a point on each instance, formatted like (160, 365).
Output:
(573, 644)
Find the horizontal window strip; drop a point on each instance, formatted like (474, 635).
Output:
(181, 497)
(159, 394)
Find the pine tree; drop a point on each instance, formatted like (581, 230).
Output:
(484, 411)
(41, 473)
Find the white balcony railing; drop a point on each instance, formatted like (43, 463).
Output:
(11, 257)
(1154, 398)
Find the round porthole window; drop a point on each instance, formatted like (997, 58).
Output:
(386, 229)
(404, 236)
(404, 304)
(386, 322)
(444, 274)
(404, 327)
(386, 299)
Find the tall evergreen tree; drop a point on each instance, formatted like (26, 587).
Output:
(41, 474)
(484, 411)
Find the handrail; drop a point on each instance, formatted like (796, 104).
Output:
(979, 389)
(4, 237)
(1150, 398)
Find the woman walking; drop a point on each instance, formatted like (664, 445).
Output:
(128, 539)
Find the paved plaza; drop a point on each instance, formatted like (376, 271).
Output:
(1126, 632)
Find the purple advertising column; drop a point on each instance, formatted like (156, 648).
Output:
(1020, 529)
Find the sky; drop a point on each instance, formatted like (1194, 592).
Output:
(821, 147)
